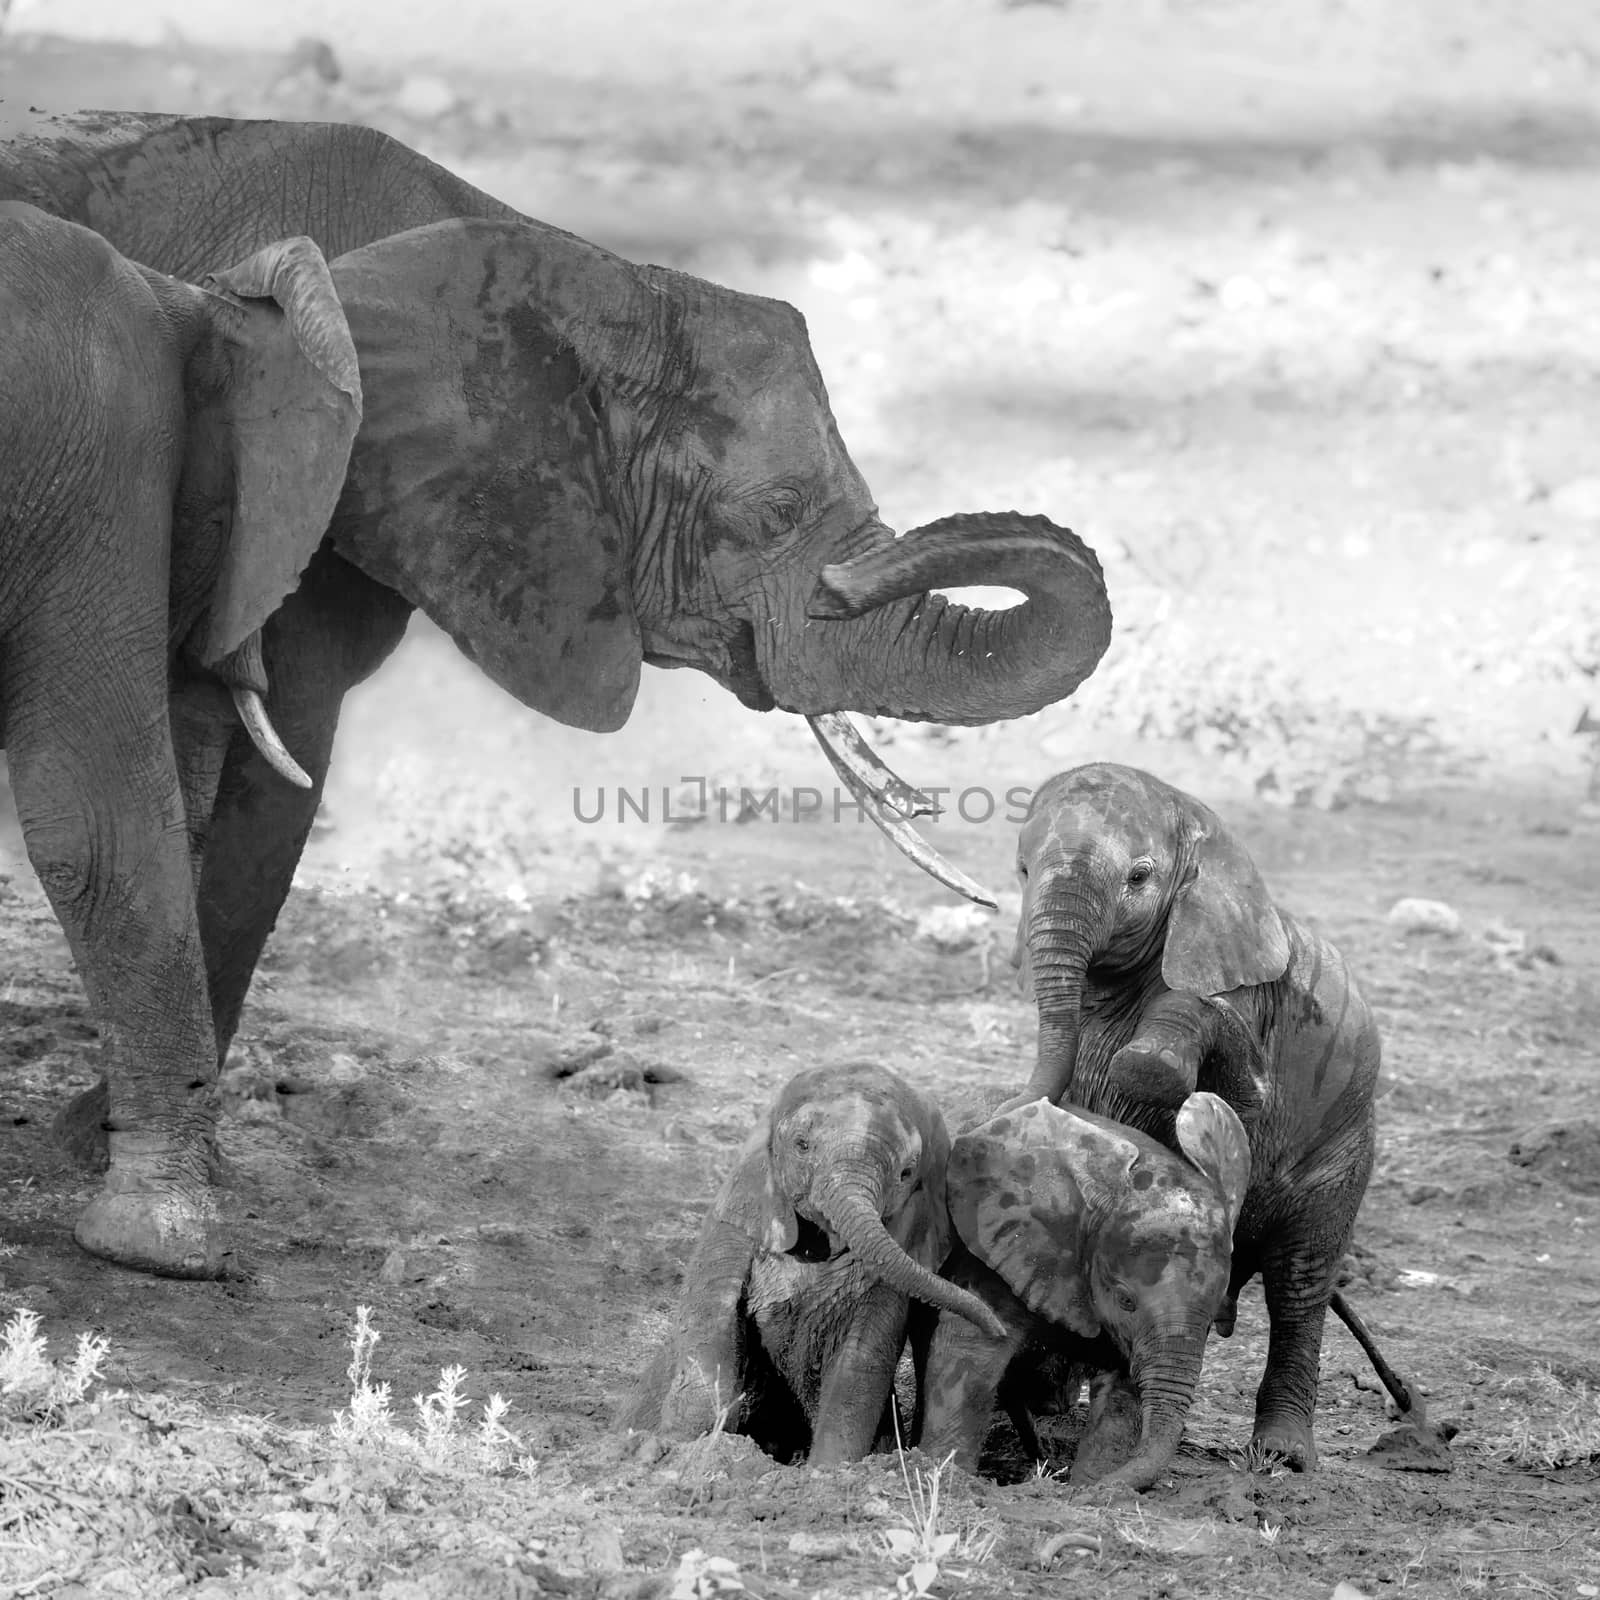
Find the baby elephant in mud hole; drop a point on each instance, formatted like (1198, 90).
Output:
(796, 1299)
(1092, 1242)
(1159, 964)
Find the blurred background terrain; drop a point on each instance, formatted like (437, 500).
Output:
(1298, 325)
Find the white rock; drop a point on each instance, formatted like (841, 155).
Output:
(952, 928)
(1412, 915)
(425, 97)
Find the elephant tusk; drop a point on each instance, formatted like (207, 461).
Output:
(890, 801)
(252, 711)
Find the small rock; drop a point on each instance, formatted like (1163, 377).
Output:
(1413, 915)
(393, 1269)
(425, 97)
(1415, 1278)
(953, 928)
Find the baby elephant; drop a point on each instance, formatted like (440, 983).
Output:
(1159, 964)
(796, 1299)
(1095, 1243)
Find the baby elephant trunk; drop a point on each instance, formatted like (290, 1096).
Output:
(848, 1203)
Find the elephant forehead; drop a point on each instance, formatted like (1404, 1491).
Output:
(1178, 1239)
(861, 1109)
(1091, 798)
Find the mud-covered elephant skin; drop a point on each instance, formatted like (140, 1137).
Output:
(1090, 1241)
(169, 459)
(1159, 964)
(573, 464)
(794, 1306)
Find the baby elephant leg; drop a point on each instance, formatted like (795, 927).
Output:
(1160, 1065)
(858, 1379)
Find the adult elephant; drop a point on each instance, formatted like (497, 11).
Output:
(675, 492)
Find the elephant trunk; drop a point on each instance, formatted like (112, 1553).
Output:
(879, 641)
(1166, 1372)
(848, 1202)
(1064, 917)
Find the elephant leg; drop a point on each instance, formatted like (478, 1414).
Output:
(1013, 1397)
(1160, 1065)
(98, 796)
(859, 1378)
(203, 725)
(1299, 1271)
(203, 721)
(714, 1351)
(334, 631)
(966, 1367)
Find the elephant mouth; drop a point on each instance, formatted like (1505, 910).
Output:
(814, 1244)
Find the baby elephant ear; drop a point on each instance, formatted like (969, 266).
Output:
(1224, 931)
(1213, 1140)
(279, 395)
(1018, 1205)
(752, 1202)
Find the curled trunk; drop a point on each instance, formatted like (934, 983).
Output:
(850, 1211)
(880, 642)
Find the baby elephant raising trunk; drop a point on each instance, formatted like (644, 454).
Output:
(795, 1301)
(1160, 964)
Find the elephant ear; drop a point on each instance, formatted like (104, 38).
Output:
(1224, 931)
(1212, 1139)
(276, 392)
(751, 1201)
(479, 489)
(1024, 1192)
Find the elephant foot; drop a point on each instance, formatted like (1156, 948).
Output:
(1155, 1069)
(79, 1128)
(1286, 1441)
(153, 1216)
(698, 1403)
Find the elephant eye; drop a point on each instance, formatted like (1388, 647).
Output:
(1139, 874)
(1126, 1303)
(908, 1171)
(784, 509)
(801, 1143)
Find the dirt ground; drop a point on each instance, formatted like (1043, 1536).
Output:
(1305, 342)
